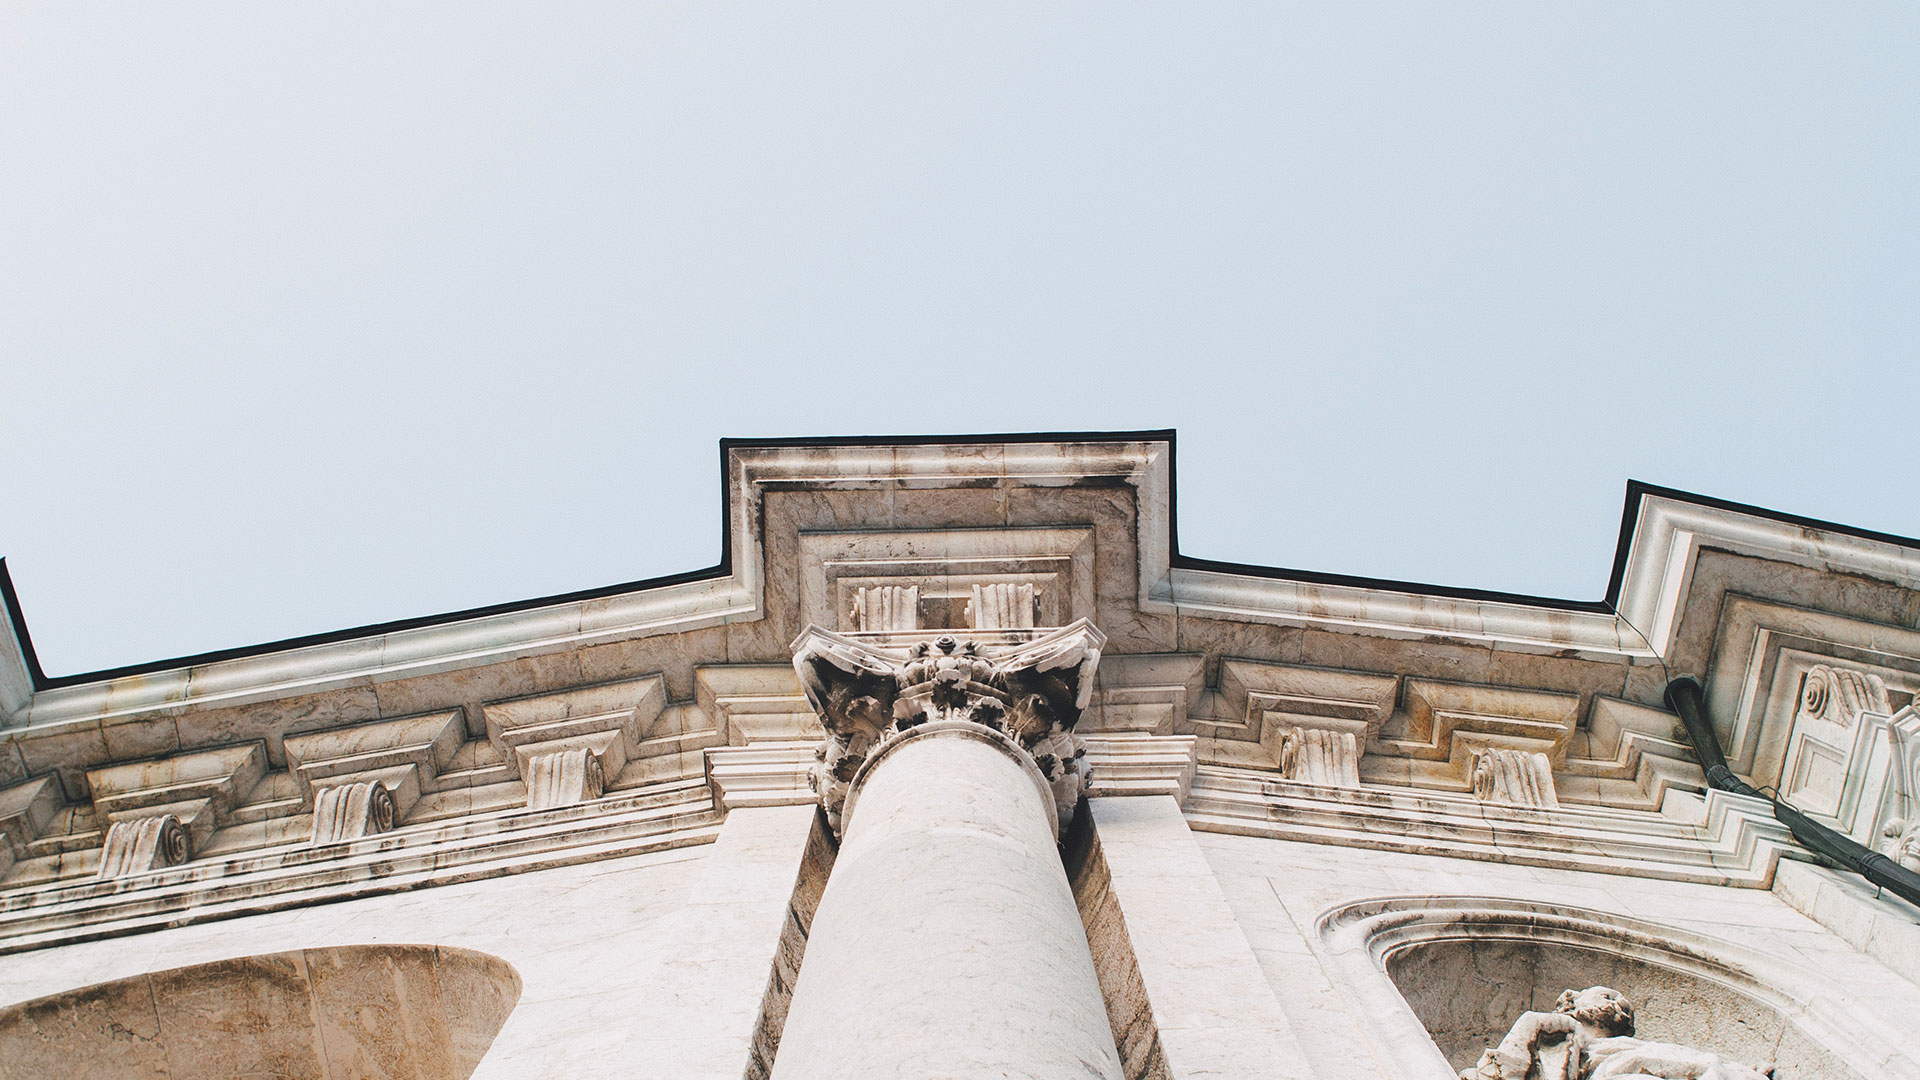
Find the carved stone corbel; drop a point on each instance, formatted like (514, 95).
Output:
(345, 812)
(137, 845)
(886, 607)
(563, 777)
(866, 694)
(551, 736)
(1323, 756)
(1001, 606)
(1520, 777)
(1902, 831)
(1839, 695)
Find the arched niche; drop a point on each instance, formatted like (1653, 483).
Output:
(1467, 967)
(414, 1011)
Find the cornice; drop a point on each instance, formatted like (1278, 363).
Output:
(1662, 537)
(1672, 528)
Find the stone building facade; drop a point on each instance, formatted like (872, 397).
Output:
(956, 767)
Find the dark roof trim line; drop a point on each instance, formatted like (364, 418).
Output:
(1637, 492)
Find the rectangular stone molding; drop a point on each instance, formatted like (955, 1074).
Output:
(222, 776)
(563, 777)
(886, 607)
(406, 755)
(1436, 712)
(1212, 1012)
(1001, 606)
(944, 565)
(1129, 763)
(751, 704)
(1627, 756)
(777, 774)
(1322, 756)
(727, 939)
(1520, 777)
(136, 845)
(200, 789)
(343, 812)
(1244, 721)
(1146, 692)
(612, 722)
(25, 810)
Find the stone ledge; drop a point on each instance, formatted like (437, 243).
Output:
(1734, 841)
(295, 875)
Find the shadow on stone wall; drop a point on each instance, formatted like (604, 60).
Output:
(1468, 994)
(1468, 967)
(414, 1011)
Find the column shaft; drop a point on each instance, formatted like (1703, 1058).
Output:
(947, 943)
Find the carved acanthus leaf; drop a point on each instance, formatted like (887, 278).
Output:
(866, 694)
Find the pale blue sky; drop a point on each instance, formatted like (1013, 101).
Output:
(314, 318)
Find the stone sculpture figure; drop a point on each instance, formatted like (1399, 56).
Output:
(1903, 843)
(1902, 833)
(1590, 1036)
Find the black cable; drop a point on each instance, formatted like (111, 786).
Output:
(1686, 697)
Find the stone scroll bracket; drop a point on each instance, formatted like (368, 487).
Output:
(343, 812)
(1900, 830)
(197, 792)
(1007, 605)
(867, 693)
(1324, 756)
(573, 773)
(569, 747)
(1518, 777)
(145, 842)
(1260, 715)
(405, 756)
(885, 607)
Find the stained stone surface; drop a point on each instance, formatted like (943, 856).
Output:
(948, 930)
(376, 1011)
(1409, 814)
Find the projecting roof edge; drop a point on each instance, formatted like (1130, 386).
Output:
(1661, 535)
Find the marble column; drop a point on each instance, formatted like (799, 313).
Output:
(947, 943)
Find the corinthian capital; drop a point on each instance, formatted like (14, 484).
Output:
(867, 693)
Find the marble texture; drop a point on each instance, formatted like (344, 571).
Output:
(1213, 1011)
(1314, 802)
(409, 1011)
(947, 943)
(343, 812)
(136, 845)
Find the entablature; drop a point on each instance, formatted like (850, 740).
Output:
(1313, 708)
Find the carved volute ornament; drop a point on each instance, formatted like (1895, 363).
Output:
(350, 811)
(1839, 695)
(140, 844)
(867, 694)
(1517, 777)
(1590, 1036)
